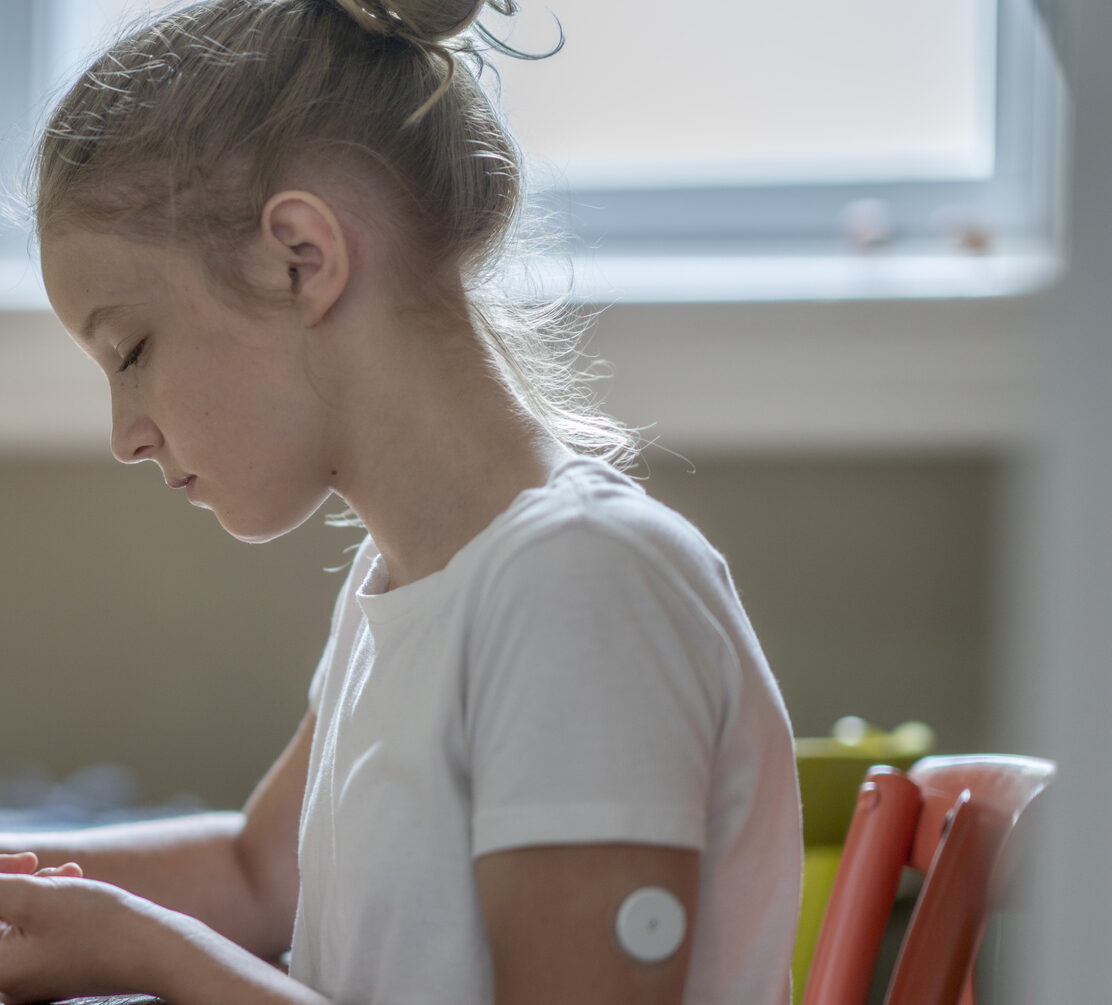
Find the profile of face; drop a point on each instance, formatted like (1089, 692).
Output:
(217, 395)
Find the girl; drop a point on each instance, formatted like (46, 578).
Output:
(544, 760)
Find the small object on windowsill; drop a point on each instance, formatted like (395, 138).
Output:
(964, 230)
(867, 224)
(975, 239)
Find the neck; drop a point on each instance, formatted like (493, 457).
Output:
(451, 450)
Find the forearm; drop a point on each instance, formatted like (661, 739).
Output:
(192, 965)
(193, 865)
(235, 872)
(65, 937)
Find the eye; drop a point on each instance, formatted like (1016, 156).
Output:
(132, 357)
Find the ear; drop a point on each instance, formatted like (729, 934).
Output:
(302, 236)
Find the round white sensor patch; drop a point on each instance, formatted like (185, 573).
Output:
(651, 924)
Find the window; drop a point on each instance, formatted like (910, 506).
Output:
(741, 149)
(44, 46)
(726, 150)
(16, 98)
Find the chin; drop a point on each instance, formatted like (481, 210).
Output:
(257, 538)
(261, 528)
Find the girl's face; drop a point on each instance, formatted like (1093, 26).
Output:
(221, 399)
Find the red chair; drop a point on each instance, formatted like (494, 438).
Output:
(958, 821)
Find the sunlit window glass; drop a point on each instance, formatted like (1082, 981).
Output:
(653, 91)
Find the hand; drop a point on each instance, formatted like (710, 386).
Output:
(62, 936)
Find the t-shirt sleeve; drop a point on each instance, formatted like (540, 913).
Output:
(595, 698)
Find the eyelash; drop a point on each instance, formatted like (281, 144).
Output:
(132, 357)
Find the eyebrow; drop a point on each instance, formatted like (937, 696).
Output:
(98, 316)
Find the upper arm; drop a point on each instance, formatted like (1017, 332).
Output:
(267, 846)
(551, 913)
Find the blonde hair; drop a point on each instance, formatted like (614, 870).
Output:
(183, 130)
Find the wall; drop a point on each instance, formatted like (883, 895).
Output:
(135, 630)
(849, 459)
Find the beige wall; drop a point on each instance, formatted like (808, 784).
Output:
(135, 630)
(869, 581)
(849, 461)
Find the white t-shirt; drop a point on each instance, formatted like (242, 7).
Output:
(581, 671)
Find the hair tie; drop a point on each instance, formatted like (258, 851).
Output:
(372, 17)
(379, 17)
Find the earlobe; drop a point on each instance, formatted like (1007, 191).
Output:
(303, 236)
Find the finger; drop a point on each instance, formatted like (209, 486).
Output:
(23, 863)
(70, 869)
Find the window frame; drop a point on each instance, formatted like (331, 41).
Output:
(1018, 200)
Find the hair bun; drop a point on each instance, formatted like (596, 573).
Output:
(419, 20)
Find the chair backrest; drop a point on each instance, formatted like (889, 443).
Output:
(958, 821)
(831, 769)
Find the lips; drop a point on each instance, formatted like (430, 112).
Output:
(179, 483)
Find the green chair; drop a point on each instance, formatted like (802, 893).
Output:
(831, 769)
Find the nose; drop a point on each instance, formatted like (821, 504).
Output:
(135, 436)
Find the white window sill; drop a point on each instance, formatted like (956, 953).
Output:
(701, 276)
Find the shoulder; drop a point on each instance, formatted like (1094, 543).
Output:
(592, 531)
(595, 580)
(591, 511)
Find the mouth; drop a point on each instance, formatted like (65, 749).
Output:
(179, 483)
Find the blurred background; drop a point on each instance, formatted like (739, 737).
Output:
(134, 629)
(816, 251)
(853, 259)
